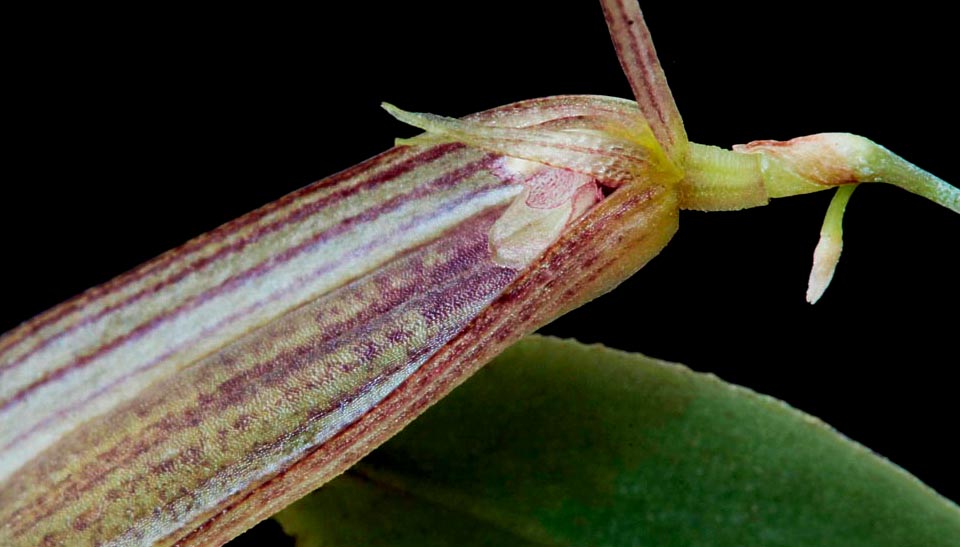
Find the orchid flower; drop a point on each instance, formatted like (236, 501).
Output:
(200, 393)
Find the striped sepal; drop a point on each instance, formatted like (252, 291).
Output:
(194, 396)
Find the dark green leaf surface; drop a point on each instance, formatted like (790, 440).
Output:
(557, 443)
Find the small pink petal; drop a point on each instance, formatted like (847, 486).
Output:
(551, 188)
(585, 198)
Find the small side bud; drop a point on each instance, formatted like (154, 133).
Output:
(827, 254)
(826, 160)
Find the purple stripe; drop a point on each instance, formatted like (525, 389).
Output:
(264, 267)
(444, 181)
(568, 147)
(143, 270)
(163, 260)
(219, 234)
(254, 272)
(303, 280)
(246, 468)
(641, 67)
(642, 62)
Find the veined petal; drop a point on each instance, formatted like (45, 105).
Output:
(612, 153)
(194, 396)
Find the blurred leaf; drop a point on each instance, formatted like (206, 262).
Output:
(557, 443)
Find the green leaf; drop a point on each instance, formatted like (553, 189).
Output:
(557, 443)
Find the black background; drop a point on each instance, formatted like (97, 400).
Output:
(128, 138)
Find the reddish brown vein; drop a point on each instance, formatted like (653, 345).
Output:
(304, 390)
(237, 280)
(296, 215)
(11, 339)
(206, 331)
(638, 57)
(460, 277)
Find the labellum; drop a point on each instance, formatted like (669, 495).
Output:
(202, 392)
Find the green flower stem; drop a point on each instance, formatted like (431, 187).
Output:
(751, 174)
(721, 180)
(893, 169)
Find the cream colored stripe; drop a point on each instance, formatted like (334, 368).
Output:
(46, 413)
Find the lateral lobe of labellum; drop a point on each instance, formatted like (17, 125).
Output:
(199, 394)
